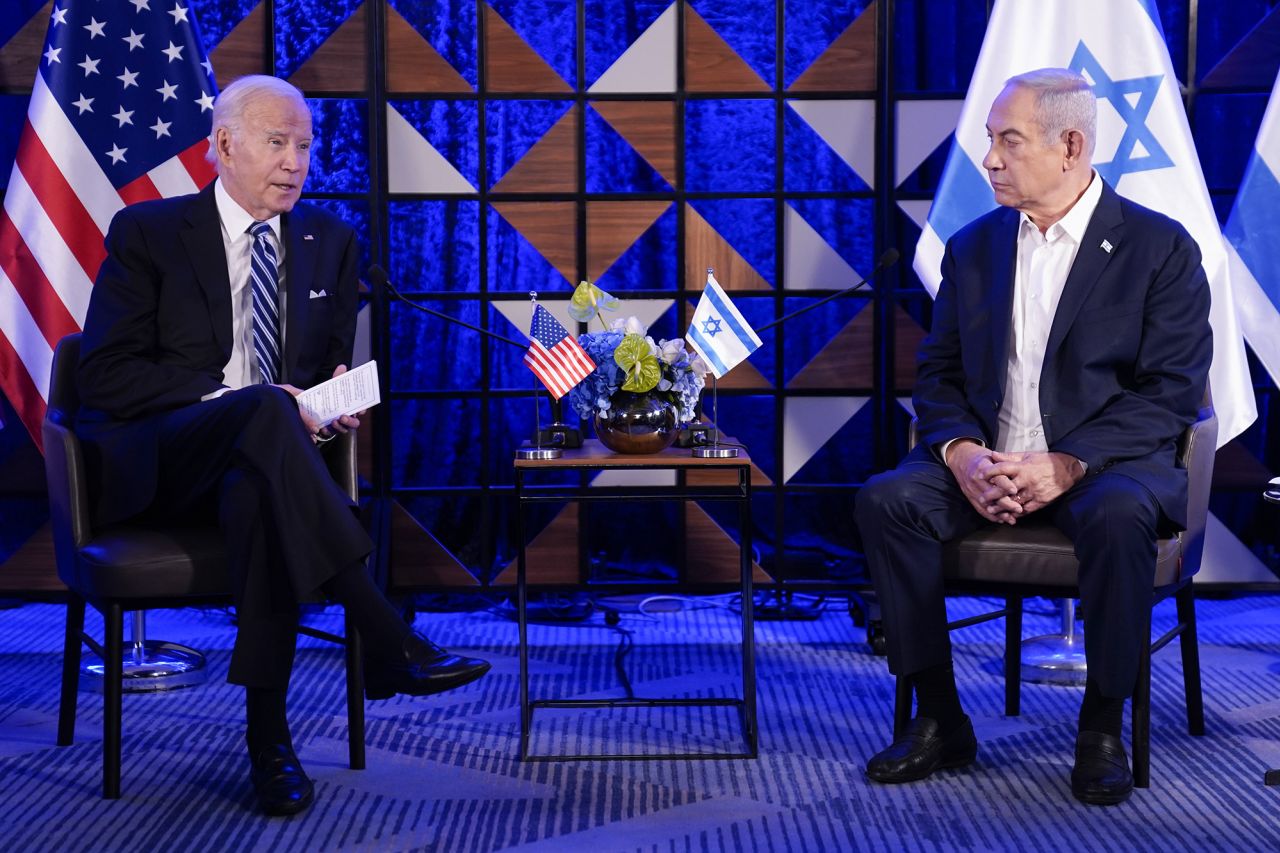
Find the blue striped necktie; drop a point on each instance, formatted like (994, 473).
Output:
(264, 273)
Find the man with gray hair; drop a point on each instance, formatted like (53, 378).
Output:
(1069, 349)
(208, 315)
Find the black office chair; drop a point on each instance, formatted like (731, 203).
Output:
(134, 568)
(1017, 562)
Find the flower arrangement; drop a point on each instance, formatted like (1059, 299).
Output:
(627, 359)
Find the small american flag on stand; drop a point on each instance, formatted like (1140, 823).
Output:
(120, 112)
(554, 355)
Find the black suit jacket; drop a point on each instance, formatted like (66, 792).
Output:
(158, 330)
(1127, 357)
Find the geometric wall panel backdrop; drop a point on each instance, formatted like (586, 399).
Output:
(489, 149)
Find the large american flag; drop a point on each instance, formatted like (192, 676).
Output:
(120, 112)
(554, 356)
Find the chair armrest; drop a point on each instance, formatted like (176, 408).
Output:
(1200, 443)
(340, 457)
(68, 502)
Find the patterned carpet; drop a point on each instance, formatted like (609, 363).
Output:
(443, 774)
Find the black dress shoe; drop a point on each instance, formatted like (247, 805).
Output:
(922, 750)
(421, 668)
(279, 781)
(1101, 774)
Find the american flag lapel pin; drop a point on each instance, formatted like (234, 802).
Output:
(1107, 247)
(309, 237)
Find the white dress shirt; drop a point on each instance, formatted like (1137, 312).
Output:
(242, 368)
(1043, 264)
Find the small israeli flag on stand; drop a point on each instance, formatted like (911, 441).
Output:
(718, 333)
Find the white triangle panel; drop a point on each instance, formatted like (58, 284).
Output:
(647, 311)
(1227, 560)
(809, 423)
(413, 163)
(519, 312)
(917, 209)
(908, 405)
(849, 127)
(811, 263)
(922, 127)
(648, 65)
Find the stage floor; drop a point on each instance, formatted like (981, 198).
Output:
(443, 776)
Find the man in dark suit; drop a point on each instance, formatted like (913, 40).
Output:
(208, 315)
(1069, 349)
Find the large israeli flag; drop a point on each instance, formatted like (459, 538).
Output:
(719, 333)
(1144, 148)
(1253, 243)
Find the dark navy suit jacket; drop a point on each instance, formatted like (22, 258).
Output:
(1127, 357)
(158, 330)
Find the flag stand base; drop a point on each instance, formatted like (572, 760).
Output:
(714, 452)
(539, 453)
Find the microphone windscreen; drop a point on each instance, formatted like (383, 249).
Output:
(888, 259)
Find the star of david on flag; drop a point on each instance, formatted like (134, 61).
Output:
(1144, 149)
(554, 355)
(1253, 243)
(719, 333)
(120, 112)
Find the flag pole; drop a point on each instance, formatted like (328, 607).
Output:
(537, 451)
(714, 451)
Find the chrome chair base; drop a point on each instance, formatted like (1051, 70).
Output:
(1056, 658)
(152, 667)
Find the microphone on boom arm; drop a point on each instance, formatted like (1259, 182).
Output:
(556, 434)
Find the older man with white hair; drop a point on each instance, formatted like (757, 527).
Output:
(1069, 350)
(208, 315)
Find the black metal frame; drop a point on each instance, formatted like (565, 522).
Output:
(739, 493)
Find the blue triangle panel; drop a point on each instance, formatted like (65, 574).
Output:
(812, 165)
(763, 519)
(13, 115)
(813, 330)
(649, 263)
(613, 26)
(729, 145)
(819, 541)
(751, 421)
(434, 245)
(928, 174)
(514, 263)
(511, 423)
(845, 458)
(452, 128)
(550, 27)
(428, 448)
(301, 26)
(613, 166)
(748, 225)
(450, 27)
(812, 27)
(847, 224)
(513, 127)
(415, 332)
(747, 26)
(216, 18)
(340, 156)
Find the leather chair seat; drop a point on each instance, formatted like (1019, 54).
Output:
(1034, 555)
(146, 562)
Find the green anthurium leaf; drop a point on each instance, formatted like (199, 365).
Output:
(643, 376)
(642, 368)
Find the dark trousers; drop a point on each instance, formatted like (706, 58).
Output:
(245, 460)
(905, 515)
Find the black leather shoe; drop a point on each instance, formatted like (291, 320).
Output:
(921, 751)
(1101, 774)
(279, 781)
(421, 668)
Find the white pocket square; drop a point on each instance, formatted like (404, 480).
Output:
(318, 294)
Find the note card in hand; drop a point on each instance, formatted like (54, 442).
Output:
(344, 394)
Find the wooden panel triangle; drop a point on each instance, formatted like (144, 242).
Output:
(650, 128)
(849, 62)
(511, 65)
(845, 362)
(612, 228)
(418, 559)
(340, 64)
(710, 64)
(413, 64)
(21, 54)
(551, 227)
(704, 247)
(244, 49)
(550, 165)
(552, 556)
(711, 554)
